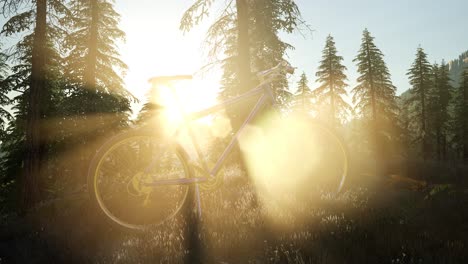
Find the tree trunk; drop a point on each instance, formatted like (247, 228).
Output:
(377, 144)
(29, 185)
(240, 112)
(438, 144)
(464, 120)
(372, 89)
(444, 147)
(423, 113)
(243, 53)
(90, 82)
(303, 100)
(332, 92)
(193, 242)
(91, 59)
(244, 72)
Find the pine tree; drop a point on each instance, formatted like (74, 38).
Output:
(239, 19)
(266, 20)
(420, 75)
(331, 91)
(243, 44)
(303, 94)
(4, 89)
(14, 140)
(30, 76)
(94, 70)
(374, 96)
(439, 98)
(93, 60)
(460, 124)
(404, 128)
(96, 97)
(58, 99)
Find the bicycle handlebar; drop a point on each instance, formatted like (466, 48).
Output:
(279, 70)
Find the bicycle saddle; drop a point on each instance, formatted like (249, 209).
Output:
(168, 79)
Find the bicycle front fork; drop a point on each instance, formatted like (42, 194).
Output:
(183, 181)
(198, 201)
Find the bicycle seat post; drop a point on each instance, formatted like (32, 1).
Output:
(189, 128)
(197, 197)
(197, 147)
(167, 80)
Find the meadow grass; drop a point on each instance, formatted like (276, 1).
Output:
(369, 222)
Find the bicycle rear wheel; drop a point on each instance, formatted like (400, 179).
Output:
(120, 174)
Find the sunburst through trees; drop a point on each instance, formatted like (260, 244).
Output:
(64, 92)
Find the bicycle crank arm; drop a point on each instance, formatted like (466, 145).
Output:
(184, 181)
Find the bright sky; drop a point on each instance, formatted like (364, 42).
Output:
(155, 46)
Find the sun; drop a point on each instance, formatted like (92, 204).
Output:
(156, 47)
(184, 96)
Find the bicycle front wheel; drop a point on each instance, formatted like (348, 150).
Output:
(294, 159)
(330, 161)
(120, 180)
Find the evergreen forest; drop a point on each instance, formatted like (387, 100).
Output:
(64, 99)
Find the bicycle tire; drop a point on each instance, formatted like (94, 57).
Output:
(340, 143)
(125, 209)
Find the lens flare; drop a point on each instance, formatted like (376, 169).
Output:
(182, 97)
(292, 159)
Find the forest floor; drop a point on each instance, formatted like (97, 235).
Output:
(367, 223)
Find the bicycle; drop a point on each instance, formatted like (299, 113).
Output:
(140, 179)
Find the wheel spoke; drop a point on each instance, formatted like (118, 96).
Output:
(120, 172)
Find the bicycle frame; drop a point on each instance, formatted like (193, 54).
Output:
(266, 96)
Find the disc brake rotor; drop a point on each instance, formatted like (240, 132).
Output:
(137, 188)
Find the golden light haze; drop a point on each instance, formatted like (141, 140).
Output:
(290, 159)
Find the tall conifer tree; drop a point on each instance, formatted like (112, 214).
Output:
(31, 76)
(332, 79)
(4, 89)
(93, 59)
(438, 108)
(460, 122)
(303, 93)
(420, 75)
(94, 73)
(374, 96)
(266, 20)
